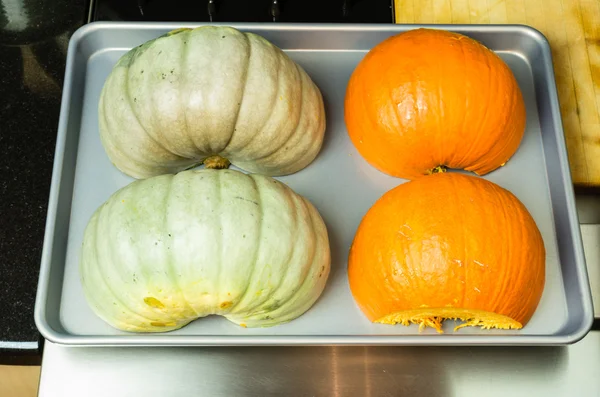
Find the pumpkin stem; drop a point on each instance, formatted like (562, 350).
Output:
(440, 169)
(216, 162)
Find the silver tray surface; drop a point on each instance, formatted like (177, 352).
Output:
(339, 183)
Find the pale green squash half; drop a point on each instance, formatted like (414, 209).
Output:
(181, 98)
(164, 251)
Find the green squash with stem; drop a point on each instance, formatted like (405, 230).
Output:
(211, 95)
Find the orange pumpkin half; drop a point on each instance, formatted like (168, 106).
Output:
(448, 246)
(428, 99)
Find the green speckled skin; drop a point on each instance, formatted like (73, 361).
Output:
(176, 100)
(164, 251)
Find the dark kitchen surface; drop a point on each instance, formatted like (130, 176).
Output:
(33, 41)
(315, 11)
(34, 36)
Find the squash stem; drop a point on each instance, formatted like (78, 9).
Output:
(216, 162)
(440, 169)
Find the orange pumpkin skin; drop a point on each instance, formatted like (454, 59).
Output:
(427, 98)
(449, 245)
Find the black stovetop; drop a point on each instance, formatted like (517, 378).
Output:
(316, 11)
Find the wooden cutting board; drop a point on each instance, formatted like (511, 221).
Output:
(573, 29)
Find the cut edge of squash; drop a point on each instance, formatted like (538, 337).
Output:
(176, 31)
(434, 317)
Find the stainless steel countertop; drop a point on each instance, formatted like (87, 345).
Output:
(324, 371)
(333, 371)
(588, 210)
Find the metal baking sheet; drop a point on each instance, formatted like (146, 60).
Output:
(339, 182)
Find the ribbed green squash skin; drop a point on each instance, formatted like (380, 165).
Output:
(174, 101)
(164, 251)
